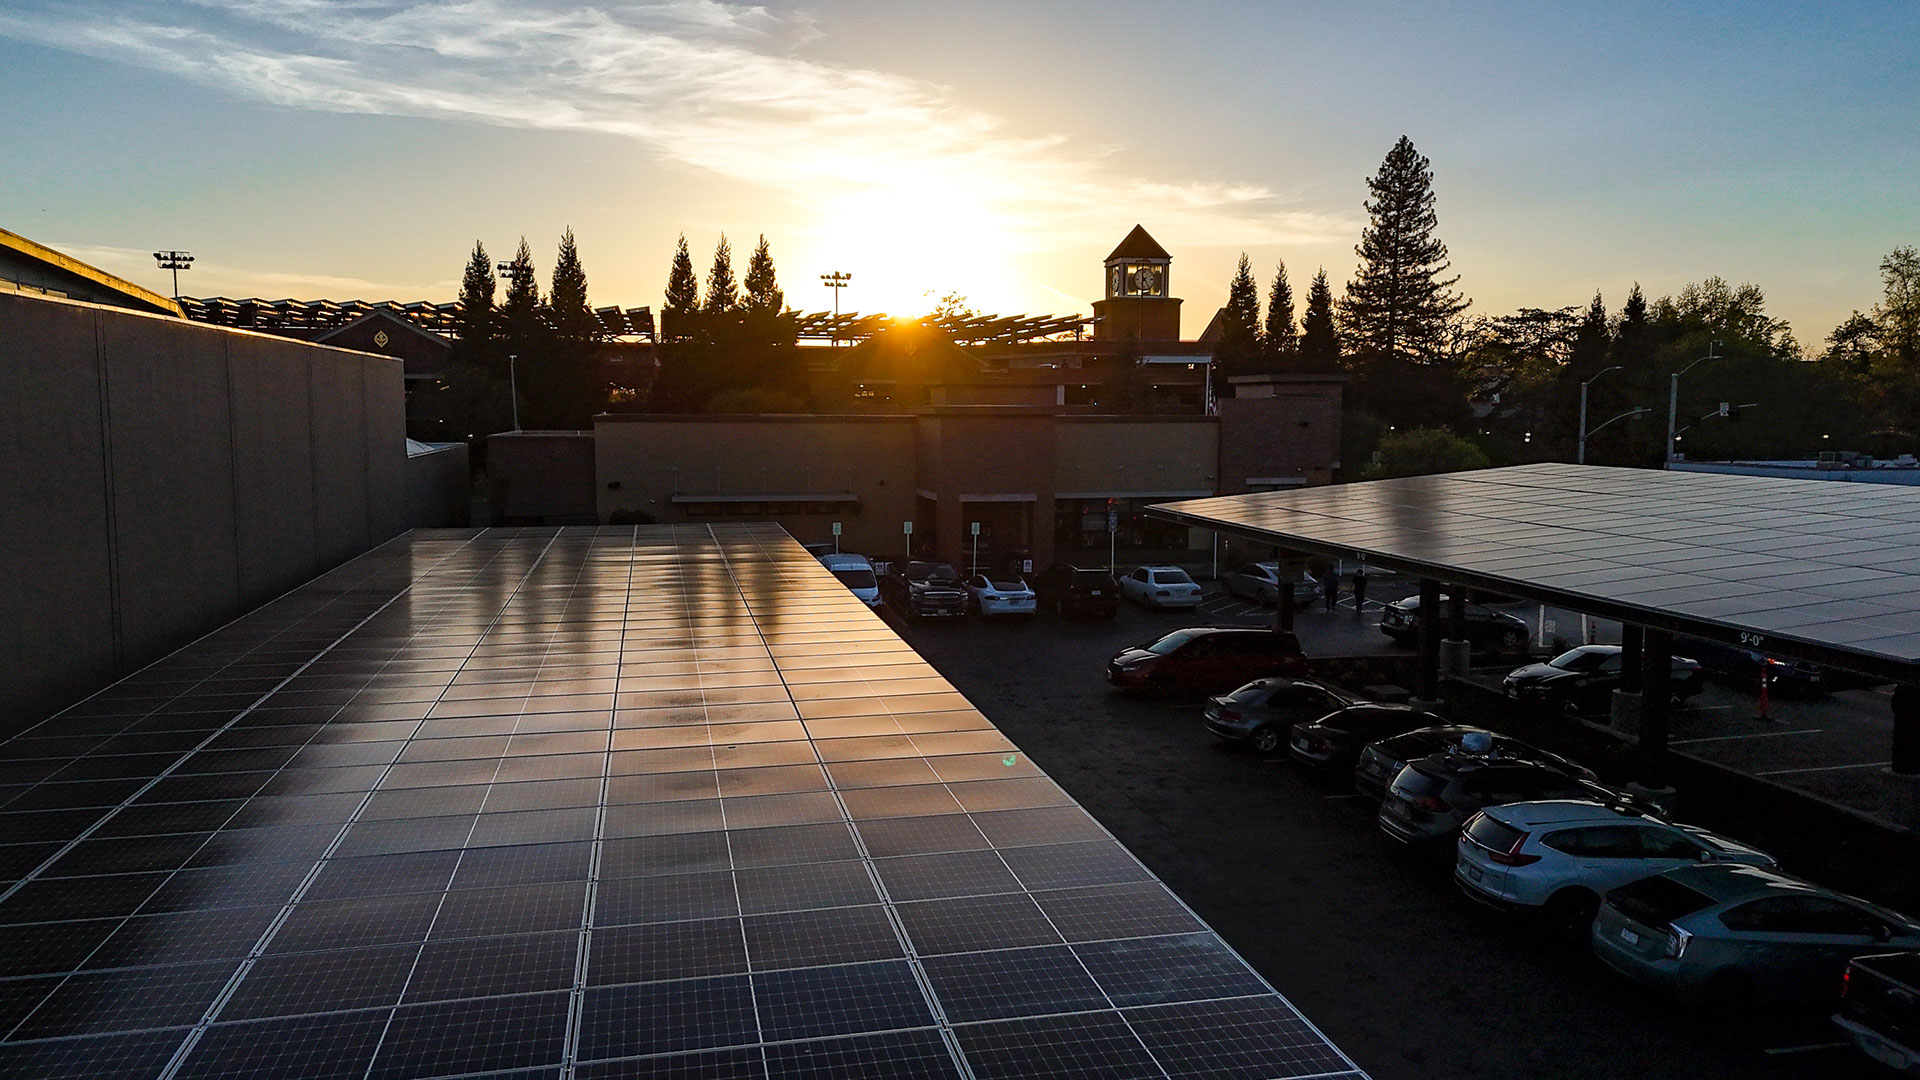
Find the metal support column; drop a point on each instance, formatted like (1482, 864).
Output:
(1656, 707)
(1455, 653)
(1625, 705)
(1429, 679)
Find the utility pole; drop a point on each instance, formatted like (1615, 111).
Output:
(836, 281)
(1582, 456)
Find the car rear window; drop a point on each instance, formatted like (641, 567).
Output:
(1494, 835)
(1250, 694)
(1091, 579)
(1414, 782)
(1008, 586)
(857, 579)
(1172, 577)
(1657, 901)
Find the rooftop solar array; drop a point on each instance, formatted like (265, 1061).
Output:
(590, 803)
(1831, 565)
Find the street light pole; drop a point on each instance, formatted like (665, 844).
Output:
(1673, 395)
(513, 389)
(836, 281)
(175, 261)
(1581, 458)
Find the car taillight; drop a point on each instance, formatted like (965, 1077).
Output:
(1677, 943)
(1508, 858)
(1846, 981)
(1232, 714)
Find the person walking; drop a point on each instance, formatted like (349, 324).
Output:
(1360, 590)
(1331, 587)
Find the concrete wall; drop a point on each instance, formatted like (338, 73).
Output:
(438, 489)
(645, 461)
(159, 478)
(542, 477)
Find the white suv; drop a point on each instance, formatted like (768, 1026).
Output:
(856, 573)
(1557, 857)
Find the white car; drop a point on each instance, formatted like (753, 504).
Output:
(1558, 857)
(856, 573)
(1161, 586)
(1004, 596)
(1260, 583)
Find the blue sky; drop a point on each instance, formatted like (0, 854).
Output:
(357, 148)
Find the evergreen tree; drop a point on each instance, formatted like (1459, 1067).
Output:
(477, 286)
(683, 290)
(1238, 350)
(763, 296)
(722, 294)
(573, 320)
(520, 313)
(1898, 314)
(1319, 340)
(1277, 338)
(1398, 306)
(1591, 338)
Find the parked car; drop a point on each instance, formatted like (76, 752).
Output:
(1555, 859)
(1334, 741)
(1206, 660)
(1880, 1008)
(1728, 935)
(1078, 590)
(1487, 630)
(1260, 583)
(1004, 595)
(1582, 679)
(1161, 586)
(1381, 761)
(856, 573)
(1431, 798)
(1742, 667)
(1261, 712)
(917, 588)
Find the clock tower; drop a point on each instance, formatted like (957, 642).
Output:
(1137, 304)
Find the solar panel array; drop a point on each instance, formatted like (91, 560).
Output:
(1832, 564)
(589, 803)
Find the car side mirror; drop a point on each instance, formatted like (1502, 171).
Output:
(1705, 855)
(1883, 933)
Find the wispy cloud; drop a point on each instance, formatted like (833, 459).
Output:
(721, 87)
(225, 279)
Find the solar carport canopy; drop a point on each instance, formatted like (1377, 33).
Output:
(1824, 571)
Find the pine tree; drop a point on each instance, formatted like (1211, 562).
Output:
(1238, 350)
(573, 320)
(763, 296)
(1588, 352)
(520, 313)
(1319, 340)
(477, 286)
(1397, 305)
(1277, 338)
(722, 294)
(683, 289)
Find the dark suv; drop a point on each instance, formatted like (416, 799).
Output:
(1432, 797)
(1381, 761)
(1206, 660)
(1487, 630)
(925, 588)
(1078, 590)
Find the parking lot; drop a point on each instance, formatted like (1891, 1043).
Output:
(1373, 945)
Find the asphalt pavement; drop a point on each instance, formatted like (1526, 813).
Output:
(1375, 947)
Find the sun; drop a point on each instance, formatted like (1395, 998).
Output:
(909, 244)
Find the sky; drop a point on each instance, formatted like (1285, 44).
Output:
(997, 149)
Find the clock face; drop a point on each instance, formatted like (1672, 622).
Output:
(1145, 280)
(1115, 290)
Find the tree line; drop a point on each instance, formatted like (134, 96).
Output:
(1428, 382)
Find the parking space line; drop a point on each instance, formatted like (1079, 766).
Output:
(1755, 735)
(1809, 1046)
(1827, 768)
(1348, 795)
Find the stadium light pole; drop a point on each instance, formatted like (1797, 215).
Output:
(175, 261)
(1673, 395)
(1581, 458)
(836, 281)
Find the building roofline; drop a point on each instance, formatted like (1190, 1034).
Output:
(100, 277)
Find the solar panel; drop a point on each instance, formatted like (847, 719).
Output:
(1828, 571)
(584, 802)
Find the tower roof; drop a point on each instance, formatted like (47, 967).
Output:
(1138, 245)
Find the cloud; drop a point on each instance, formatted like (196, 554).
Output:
(221, 279)
(719, 87)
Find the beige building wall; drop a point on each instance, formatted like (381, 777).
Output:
(1135, 456)
(681, 468)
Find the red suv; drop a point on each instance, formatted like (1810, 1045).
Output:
(1206, 660)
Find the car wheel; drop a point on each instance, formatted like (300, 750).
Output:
(1570, 913)
(1513, 641)
(1727, 991)
(1264, 740)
